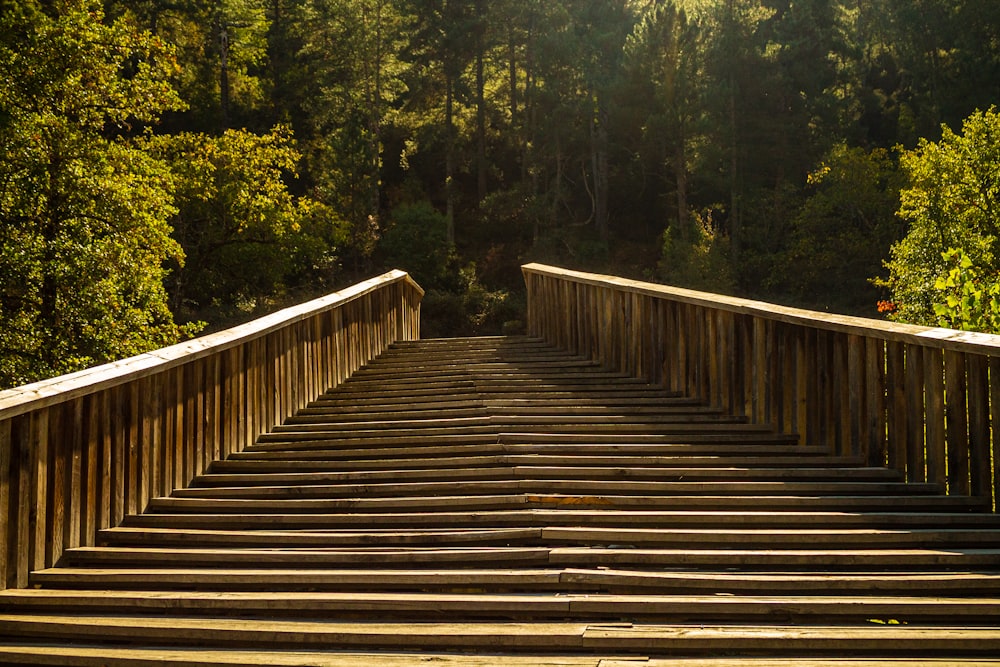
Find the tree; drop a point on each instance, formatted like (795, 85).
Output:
(244, 233)
(843, 231)
(83, 211)
(221, 46)
(952, 202)
(664, 53)
(351, 81)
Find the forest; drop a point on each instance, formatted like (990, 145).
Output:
(172, 167)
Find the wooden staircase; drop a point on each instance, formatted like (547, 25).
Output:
(498, 501)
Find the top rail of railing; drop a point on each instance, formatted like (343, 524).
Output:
(945, 339)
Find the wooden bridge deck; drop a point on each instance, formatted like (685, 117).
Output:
(500, 501)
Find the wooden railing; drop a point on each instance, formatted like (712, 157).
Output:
(920, 400)
(80, 452)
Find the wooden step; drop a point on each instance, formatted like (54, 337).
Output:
(332, 605)
(509, 511)
(688, 467)
(108, 656)
(717, 537)
(629, 556)
(613, 638)
(950, 584)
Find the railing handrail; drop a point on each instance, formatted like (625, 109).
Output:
(21, 400)
(941, 338)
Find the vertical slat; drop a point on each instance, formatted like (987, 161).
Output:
(788, 377)
(58, 454)
(994, 368)
(979, 428)
(20, 565)
(857, 410)
(824, 395)
(956, 413)
(915, 429)
(91, 463)
(169, 451)
(876, 392)
(135, 464)
(934, 417)
(107, 500)
(119, 418)
(842, 395)
(803, 377)
(8, 541)
(74, 493)
(40, 490)
(897, 436)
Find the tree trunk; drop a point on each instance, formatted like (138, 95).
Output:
(449, 160)
(680, 174)
(599, 158)
(481, 128)
(224, 73)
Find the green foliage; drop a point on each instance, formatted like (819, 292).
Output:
(972, 299)
(245, 234)
(952, 202)
(698, 259)
(417, 242)
(471, 310)
(83, 212)
(843, 231)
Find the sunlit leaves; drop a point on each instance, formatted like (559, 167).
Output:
(83, 231)
(242, 230)
(953, 202)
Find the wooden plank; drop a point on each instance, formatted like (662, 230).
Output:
(41, 490)
(878, 393)
(134, 448)
(74, 472)
(8, 503)
(106, 656)
(59, 453)
(979, 429)
(775, 558)
(108, 480)
(300, 634)
(957, 423)
(415, 605)
(148, 579)
(345, 557)
(857, 414)
(934, 416)
(119, 428)
(785, 639)
(994, 368)
(92, 478)
(916, 460)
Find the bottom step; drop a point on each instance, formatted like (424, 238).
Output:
(596, 638)
(98, 656)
